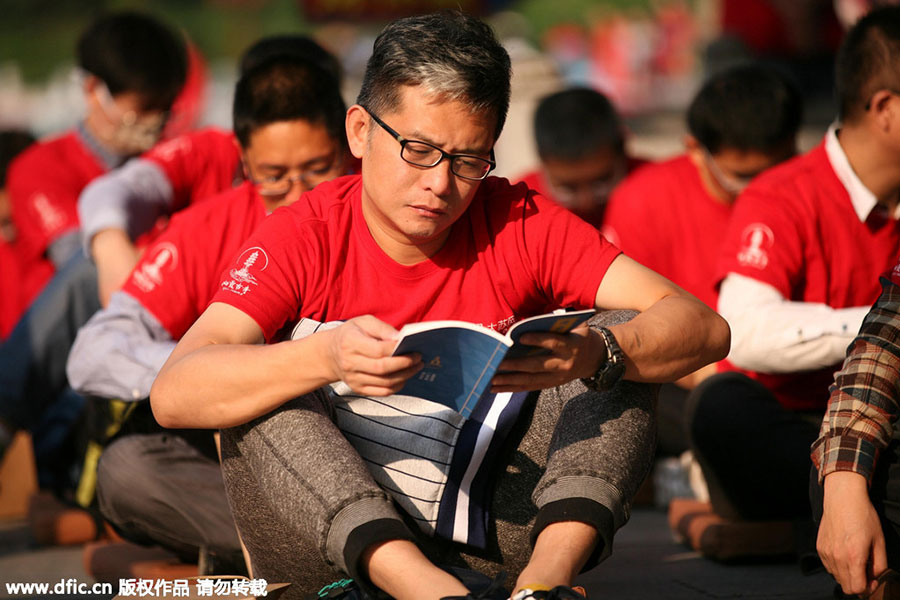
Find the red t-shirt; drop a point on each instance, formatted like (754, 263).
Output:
(795, 229)
(511, 255)
(663, 217)
(198, 164)
(44, 183)
(179, 273)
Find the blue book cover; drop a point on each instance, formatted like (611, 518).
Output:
(461, 358)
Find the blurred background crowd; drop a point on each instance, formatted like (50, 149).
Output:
(648, 56)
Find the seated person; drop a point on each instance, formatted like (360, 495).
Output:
(134, 67)
(799, 269)
(581, 144)
(671, 216)
(166, 487)
(854, 490)
(119, 206)
(423, 233)
(124, 204)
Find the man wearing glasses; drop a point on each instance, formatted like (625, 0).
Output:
(799, 270)
(166, 487)
(424, 234)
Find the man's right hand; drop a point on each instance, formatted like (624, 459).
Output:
(850, 541)
(115, 256)
(359, 352)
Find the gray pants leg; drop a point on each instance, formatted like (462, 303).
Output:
(159, 489)
(306, 505)
(581, 456)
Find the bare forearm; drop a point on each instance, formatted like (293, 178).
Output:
(672, 338)
(115, 256)
(226, 385)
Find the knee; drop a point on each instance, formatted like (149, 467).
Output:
(124, 483)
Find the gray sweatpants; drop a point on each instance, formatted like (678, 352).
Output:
(307, 507)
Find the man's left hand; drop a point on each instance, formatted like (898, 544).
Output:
(578, 353)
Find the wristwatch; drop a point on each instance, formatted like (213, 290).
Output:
(612, 369)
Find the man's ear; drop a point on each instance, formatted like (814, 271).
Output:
(89, 85)
(881, 109)
(694, 150)
(357, 124)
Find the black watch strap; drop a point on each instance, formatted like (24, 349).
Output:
(612, 369)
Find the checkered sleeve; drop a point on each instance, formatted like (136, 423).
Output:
(865, 397)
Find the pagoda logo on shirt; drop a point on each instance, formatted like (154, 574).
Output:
(162, 260)
(50, 216)
(251, 260)
(756, 240)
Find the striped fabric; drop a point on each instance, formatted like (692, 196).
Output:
(865, 398)
(437, 465)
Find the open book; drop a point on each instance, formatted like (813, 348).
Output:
(461, 358)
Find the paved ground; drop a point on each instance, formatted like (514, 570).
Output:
(646, 565)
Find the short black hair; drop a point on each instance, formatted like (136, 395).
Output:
(747, 107)
(133, 52)
(287, 88)
(297, 45)
(575, 123)
(450, 54)
(868, 61)
(12, 142)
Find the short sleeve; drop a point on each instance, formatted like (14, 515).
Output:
(765, 240)
(265, 276)
(197, 164)
(43, 208)
(162, 281)
(569, 256)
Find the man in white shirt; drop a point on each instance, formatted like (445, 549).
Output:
(799, 270)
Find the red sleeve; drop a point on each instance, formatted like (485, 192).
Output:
(43, 207)
(162, 280)
(197, 164)
(765, 240)
(264, 281)
(569, 255)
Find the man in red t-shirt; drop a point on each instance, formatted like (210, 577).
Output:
(671, 216)
(799, 269)
(580, 140)
(421, 234)
(164, 488)
(133, 68)
(126, 206)
(120, 206)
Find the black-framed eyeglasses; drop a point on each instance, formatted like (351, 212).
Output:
(423, 154)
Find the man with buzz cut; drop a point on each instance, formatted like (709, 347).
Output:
(424, 234)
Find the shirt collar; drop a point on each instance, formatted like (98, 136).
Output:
(108, 159)
(862, 199)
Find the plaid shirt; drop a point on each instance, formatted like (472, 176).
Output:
(865, 398)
